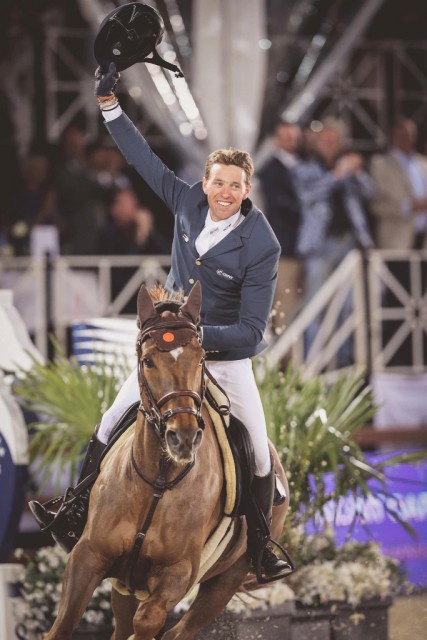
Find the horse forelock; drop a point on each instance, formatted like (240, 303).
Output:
(159, 294)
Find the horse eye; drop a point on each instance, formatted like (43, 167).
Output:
(147, 362)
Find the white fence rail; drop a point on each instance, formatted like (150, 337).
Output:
(373, 307)
(53, 295)
(343, 290)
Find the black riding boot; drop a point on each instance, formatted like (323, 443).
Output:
(66, 524)
(267, 565)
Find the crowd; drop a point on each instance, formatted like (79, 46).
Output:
(323, 200)
(87, 196)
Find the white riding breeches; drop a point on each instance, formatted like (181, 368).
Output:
(237, 379)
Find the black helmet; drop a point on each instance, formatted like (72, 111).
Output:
(127, 35)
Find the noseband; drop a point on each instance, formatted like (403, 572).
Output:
(167, 337)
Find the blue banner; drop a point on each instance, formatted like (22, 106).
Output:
(406, 496)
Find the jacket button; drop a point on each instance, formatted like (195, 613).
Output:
(198, 262)
(191, 280)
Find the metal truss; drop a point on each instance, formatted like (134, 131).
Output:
(69, 83)
(69, 68)
(309, 84)
(374, 83)
(378, 82)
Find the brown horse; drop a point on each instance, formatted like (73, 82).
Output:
(173, 425)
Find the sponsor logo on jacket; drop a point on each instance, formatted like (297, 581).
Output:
(222, 273)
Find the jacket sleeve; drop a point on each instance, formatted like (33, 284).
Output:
(255, 306)
(139, 155)
(313, 185)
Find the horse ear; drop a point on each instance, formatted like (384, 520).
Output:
(145, 306)
(191, 308)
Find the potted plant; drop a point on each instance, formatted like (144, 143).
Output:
(68, 400)
(353, 585)
(40, 588)
(313, 426)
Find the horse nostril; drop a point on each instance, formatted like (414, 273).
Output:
(198, 438)
(172, 437)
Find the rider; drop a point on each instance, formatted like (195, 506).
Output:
(225, 242)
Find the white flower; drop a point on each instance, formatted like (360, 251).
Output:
(263, 598)
(93, 617)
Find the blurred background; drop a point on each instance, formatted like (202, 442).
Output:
(330, 98)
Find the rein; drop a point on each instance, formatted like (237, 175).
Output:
(158, 420)
(160, 486)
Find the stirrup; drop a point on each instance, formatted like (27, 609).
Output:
(65, 502)
(261, 576)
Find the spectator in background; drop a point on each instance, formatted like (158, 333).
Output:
(80, 199)
(400, 209)
(283, 212)
(106, 167)
(334, 190)
(400, 202)
(308, 139)
(36, 202)
(130, 229)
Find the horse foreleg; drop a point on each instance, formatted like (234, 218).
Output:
(167, 589)
(124, 608)
(83, 573)
(212, 598)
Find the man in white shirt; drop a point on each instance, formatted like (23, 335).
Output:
(400, 199)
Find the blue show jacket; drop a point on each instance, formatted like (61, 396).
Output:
(238, 275)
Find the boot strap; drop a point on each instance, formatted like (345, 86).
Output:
(67, 500)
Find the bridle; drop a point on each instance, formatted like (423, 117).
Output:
(183, 332)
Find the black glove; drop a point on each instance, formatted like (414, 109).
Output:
(105, 83)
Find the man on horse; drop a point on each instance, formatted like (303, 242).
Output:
(222, 240)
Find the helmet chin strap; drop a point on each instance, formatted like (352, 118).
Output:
(158, 60)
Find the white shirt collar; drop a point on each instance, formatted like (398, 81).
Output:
(222, 225)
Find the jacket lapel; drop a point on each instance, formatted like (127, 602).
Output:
(231, 241)
(197, 223)
(234, 239)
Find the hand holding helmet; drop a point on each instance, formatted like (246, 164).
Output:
(105, 83)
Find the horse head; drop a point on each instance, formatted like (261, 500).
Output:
(171, 371)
